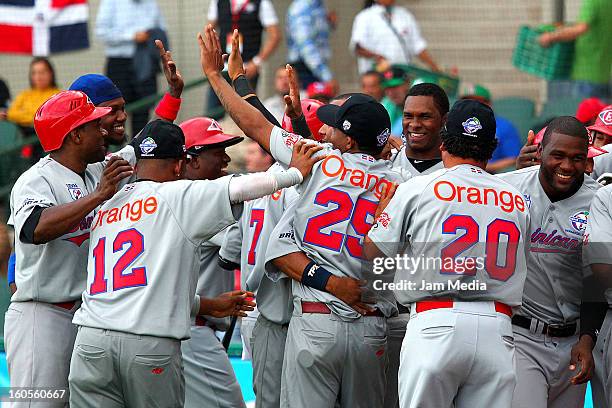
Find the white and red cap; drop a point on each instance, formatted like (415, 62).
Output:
(603, 123)
(206, 132)
(593, 151)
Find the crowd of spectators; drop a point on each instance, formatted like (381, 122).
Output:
(385, 36)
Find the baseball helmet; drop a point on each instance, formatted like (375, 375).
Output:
(309, 108)
(592, 152)
(603, 124)
(61, 114)
(201, 132)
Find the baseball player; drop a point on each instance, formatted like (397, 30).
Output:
(425, 113)
(602, 132)
(597, 255)
(52, 208)
(468, 229)
(209, 377)
(548, 346)
(137, 305)
(265, 341)
(356, 363)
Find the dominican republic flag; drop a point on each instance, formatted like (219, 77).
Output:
(43, 27)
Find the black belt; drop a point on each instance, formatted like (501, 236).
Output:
(552, 330)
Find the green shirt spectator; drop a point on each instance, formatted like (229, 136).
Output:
(593, 55)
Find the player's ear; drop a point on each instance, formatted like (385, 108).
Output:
(442, 147)
(539, 151)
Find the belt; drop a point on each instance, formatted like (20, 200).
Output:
(552, 330)
(202, 322)
(65, 305)
(322, 308)
(425, 305)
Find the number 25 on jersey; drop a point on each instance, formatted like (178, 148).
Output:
(131, 241)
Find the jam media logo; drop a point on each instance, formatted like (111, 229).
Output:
(471, 126)
(147, 146)
(579, 220)
(75, 191)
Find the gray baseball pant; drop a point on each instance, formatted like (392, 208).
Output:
(209, 377)
(461, 357)
(113, 369)
(268, 347)
(328, 359)
(601, 383)
(39, 338)
(542, 370)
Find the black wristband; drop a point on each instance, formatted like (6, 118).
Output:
(242, 87)
(301, 128)
(315, 276)
(227, 264)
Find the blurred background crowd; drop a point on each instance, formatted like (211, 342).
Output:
(531, 60)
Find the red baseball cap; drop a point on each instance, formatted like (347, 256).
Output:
(593, 151)
(603, 124)
(588, 109)
(206, 132)
(320, 88)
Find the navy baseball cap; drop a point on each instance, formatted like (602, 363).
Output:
(98, 87)
(361, 118)
(471, 119)
(160, 140)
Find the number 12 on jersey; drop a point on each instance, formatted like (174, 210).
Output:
(134, 241)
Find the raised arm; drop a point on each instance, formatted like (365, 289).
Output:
(249, 119)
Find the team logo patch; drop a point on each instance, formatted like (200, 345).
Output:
(471, 126)
(75, 191)
(606, 117)
(290, 139)
(527, 200)
(157, 370)
(579, 220)
(382, 138)
(214, 126)
(384, 220)
(147, 146)
(346, 125)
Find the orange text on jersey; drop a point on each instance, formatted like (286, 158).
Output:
(132, 211)
(333, 166)
(506, 200)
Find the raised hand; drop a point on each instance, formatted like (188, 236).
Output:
(173, 75)
(528, 154)
(211, 57)
(235, 64)
(293, 105)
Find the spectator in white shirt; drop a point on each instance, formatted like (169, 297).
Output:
(385, 34)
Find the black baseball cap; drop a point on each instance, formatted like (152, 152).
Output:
(361, 118)
(160, 140)
(471, 119)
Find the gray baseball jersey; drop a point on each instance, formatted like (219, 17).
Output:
(212, 279)
(464, 227)
(143, 261)
(399, 159)
(602, 163)
(598, 235)
(52, 272)
(254, 230)
(553, 288)
(334, 212)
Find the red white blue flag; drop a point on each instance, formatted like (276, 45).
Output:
(43, 27)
